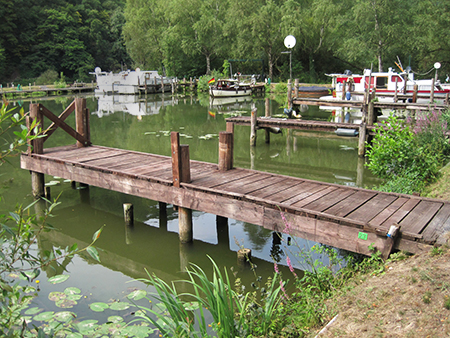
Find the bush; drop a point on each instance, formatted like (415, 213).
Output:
(409, 157)
(47, 77)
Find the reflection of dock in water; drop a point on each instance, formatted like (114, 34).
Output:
(132, 104)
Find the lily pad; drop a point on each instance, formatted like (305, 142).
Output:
(56, 296)
(87, 327)
(72, 290)
(115, 319)
(118, 306)
(65, 303)
(33, 311)
(99, 306)
(137, 294)
(44, 316)
(191, 306)
(64, 316)
(58, 279)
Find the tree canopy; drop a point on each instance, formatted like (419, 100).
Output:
(193, 37)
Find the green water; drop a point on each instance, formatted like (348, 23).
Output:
(152, 244)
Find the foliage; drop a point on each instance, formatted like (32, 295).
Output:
(49, 76)
(409, 157)
(203, 80)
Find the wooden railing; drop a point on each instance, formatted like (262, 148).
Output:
(81, 133)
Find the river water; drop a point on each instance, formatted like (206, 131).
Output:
(152, 244)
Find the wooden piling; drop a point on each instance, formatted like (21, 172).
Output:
(185, 174)
(225, 151)
(396, 90)
(432, 91)
(267, 114)
(128, 214)
(253, 127)
(176, 158)
(414, 98)
(362, 139)
(82, 121)
(185, 231)
(296, 88)
(37, 147)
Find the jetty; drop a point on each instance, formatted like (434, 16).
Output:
(354, 219)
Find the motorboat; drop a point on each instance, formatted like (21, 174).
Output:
(229, 88)
(350, 86)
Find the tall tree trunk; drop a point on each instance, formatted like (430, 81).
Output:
(208, 64)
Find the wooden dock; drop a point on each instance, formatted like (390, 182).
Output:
(340, 216)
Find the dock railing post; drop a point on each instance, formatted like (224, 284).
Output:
(225, 151)
(296, 88)
(432, 91)
(289, 94)
(37, 147)
(82, 120)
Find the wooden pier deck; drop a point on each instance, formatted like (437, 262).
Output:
(344, 217)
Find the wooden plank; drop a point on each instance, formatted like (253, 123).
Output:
(351, 203)
(400, 213)
(240, 183)
(419, 217)
(273, 189)
(74, 152)
(263, 185)
(105, 160)
(388, 211)
(326, 201)
(372, 208)
(221, 177)
(438, 225)
(306, 189)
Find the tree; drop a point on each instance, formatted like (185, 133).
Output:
(373, 32)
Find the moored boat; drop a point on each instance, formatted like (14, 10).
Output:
(386, 84)
(130, 82)
(229, 88)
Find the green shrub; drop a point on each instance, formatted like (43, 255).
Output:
(47, 77)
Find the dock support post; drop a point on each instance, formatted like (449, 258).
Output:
(181, 173)
(128, 214)
(37, 147)
(223, 236)
(267, 114)
(362, 139)
(396, 90)
(296, 88)
(253, 127)
(225, 151)
(185, 225)
(414, 98)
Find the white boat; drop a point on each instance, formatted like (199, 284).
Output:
(352, 86)
(229, 88)
(130, 82)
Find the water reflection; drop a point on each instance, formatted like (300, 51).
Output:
(152, 244)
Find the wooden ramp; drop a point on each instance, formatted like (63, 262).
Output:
(340, 216)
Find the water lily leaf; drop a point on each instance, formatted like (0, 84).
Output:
(115, 319)
(118, 306)
(99, 306)
(58, 279)
(87, 327)
(65, 303)
(33, 311)
(137, 294)
(44, 316)
(74, 335)
(56, 295)
(72, 290)
(74, 297)
(64, 316)
(137, 331)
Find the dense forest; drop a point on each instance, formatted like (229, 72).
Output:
(191, 37)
